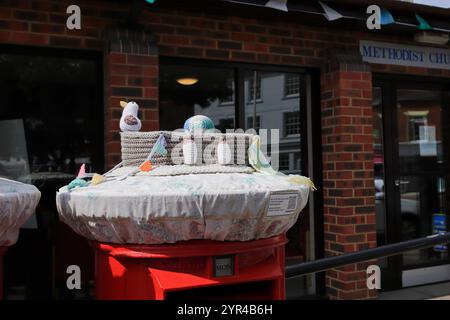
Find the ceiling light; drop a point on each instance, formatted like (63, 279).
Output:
(187, 81)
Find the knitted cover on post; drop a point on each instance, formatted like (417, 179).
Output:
(136, 146)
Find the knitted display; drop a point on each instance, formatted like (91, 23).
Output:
(136, 146)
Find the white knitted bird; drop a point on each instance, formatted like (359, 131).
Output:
(129, 120)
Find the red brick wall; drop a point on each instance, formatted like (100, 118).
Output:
(129, 77)
(130, 74)
(347, 146)
(196, 34)
(232, 33)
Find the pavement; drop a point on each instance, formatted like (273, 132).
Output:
(439, 291)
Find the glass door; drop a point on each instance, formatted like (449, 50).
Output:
(411, 174)
(421, 178)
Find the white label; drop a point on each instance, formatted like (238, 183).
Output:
(281, 204)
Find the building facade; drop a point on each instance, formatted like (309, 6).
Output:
(372, 136)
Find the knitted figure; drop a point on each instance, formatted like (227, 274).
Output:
(129, 120)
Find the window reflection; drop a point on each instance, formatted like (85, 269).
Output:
(419, 129)
(379, 171)
(422, 182)
(378, 163)
(212, 96)
(55, 99)
(13, 154)
(273, 110)
(271, 101)
(291, 84)
(254, 87)
(421, 198)
(291, 123)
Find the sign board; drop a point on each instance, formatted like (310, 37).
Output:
(440, 227)
(404, 55)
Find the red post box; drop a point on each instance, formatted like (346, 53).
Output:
(195, 269)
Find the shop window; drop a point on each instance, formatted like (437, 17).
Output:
(54, 99)
(291, 85)
(51, 122)
(281, 117)
(178, 102)
(215, 95)
(225, 93)
(292, 123)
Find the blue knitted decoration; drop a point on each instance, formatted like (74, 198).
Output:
(198, 122)
(77, 183)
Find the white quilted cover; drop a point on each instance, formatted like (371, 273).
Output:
(18, 202)
(165, 209)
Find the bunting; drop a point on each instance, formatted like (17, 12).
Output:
(82, 171)
(159, 148)
(277, 4)
(97, 179)
(329, 12)
(146, 166)
(423, 24)
(386, 17)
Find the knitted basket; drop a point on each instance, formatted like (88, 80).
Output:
(136, 146)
